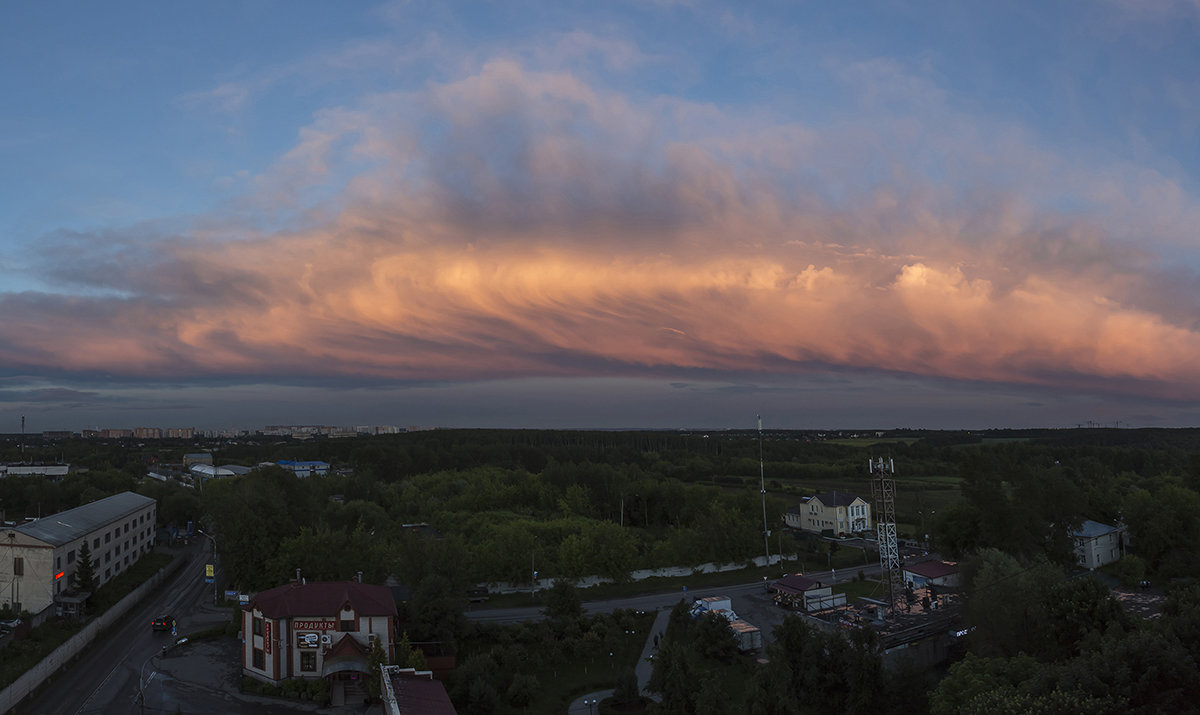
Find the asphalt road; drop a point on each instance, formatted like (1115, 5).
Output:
(105, 677)
(749, 600)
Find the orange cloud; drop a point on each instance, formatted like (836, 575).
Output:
(550, 228)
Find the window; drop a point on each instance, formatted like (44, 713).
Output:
(57, 563)
(71, 556)
(346, 626)
(127, 528)
(107, 574)
(308, 661)
(259, 661)
(107, 556)
(95, 543)
(107, 537)
(18, 566)
(257, 626)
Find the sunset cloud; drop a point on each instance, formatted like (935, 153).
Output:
(546, 227)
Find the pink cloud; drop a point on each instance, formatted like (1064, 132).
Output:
(546, 227)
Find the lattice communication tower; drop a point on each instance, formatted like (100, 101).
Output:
(883, 489)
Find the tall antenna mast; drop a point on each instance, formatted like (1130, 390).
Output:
(22, 437)
(883, 488)
(762, 481)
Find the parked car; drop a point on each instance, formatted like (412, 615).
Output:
(10, 624)
(162, 623)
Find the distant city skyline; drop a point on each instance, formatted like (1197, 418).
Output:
(642, 214)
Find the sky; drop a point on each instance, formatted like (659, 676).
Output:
(634, 213)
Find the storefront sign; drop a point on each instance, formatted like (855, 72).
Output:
(267, 636)
(314, 625)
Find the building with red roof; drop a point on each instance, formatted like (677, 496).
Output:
(406, 690)
(923, 573)
(318, 630)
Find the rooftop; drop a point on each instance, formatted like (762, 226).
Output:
(1092, 529)
(932, 569)
(323, 598)
(837, 498)
(66, 526)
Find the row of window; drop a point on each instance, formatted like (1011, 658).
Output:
(308, 660)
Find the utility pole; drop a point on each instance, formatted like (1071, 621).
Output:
(762, 481)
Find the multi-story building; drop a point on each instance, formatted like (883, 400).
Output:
(317, 630)
(181, 432)
(836, 512)
(1097, 544)
(147, 433)
(39, 558)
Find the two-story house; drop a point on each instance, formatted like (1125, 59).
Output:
(837, 513)
(317, 630)
(1097, 544)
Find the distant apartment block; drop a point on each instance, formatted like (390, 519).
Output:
(147, 433)
(181, 432)
(57, 434)
(116, 433)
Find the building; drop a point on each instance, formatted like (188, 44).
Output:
(925, 573)
(1097, 544)
(805, 594)
(38, 558)
(835, 514)
(406, 691)
(318, 630)
(197, 458)
(181, 432)
(147, 433)
(305, 469)
(54, 471)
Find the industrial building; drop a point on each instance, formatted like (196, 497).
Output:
(39, 558)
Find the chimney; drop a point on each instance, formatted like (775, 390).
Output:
(298, 580)
(360, 577)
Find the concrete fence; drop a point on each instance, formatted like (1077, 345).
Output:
(643, 574)
(38, 674)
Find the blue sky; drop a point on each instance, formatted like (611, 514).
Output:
(643, 213)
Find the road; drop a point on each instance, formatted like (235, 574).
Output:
(753, 593)
(105, 677)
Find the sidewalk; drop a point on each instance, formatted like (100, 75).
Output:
(588, 704)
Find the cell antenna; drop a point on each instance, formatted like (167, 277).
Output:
(762, 481)
(883, 488)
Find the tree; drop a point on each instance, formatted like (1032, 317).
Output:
(562, 602)
(626, 692)
(436, 609)
(375, 659)
(84, 578)
(408, 656)
(712, 638)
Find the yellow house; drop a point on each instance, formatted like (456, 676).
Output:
(837, 512)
